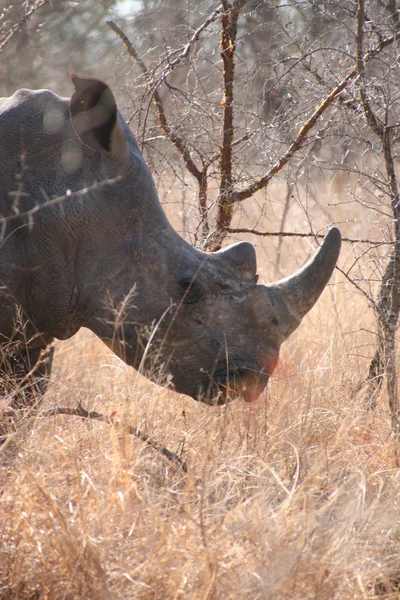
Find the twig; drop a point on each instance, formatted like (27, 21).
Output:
(358, 288)
(346, 102)
(82, 412)
(304, 235)
(18, 26)
(165, 126)
(373, 122)
(177, 140)
(238, 141)
(184, 54)
(53, 201)
(285, 213)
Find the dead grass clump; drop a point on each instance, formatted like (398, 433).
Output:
(43, 554)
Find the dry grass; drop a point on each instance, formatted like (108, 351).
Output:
(297, 497)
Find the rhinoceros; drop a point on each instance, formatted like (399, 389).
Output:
(85, 243)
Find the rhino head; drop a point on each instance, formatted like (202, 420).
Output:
(109, 260)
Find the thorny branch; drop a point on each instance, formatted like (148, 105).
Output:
(262, 182)
(229, 17)
(229, 24)
(308, 125)
(372, 121)
(184, 54)
(169, 132)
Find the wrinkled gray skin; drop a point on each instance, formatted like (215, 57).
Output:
(200, 317)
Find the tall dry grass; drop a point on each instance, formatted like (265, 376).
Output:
(296, 497)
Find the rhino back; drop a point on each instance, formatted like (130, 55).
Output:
(41, 159)
(50, 258)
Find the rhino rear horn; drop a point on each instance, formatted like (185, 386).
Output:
(242, 258)
(93, 112)
(300, 292)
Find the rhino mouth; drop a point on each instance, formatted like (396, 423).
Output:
(247, 382)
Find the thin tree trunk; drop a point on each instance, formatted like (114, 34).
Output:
(384, 360)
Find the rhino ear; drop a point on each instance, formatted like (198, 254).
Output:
(94, 115)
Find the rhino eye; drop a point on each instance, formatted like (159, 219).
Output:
(191, 291)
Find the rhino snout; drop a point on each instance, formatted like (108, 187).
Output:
(247, 382)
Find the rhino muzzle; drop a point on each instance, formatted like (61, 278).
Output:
(244, 382)
(273, 312)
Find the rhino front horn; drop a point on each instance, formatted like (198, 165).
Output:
(300, 291)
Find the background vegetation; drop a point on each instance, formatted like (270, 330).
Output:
(296, 496)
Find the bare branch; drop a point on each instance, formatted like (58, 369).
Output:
(165, 126)
(187, 49)
(308, 125)
(358, 288)
(83, 413)
(53, 201)
(18, 26)
(203, 209)
(371, 118)
(178, 141)
(304, 235)
(246, 136)
(388, 305)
